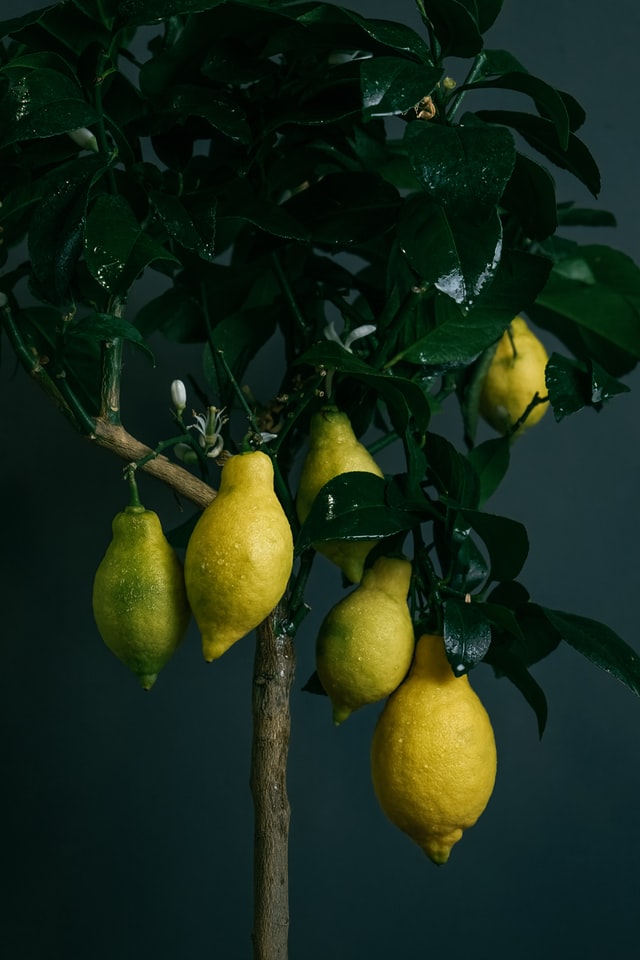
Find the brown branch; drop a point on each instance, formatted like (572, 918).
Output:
(272, 678)
(115, 438)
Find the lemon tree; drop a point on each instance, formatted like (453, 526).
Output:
(361, 200)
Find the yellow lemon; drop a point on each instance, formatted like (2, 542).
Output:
(239, 556)
(515, 376)
(433, 755)
(365, 643)
(139, 600)
(334, 449)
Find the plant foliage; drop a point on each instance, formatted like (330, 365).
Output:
(287, 166)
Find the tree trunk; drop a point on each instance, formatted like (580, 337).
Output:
(273, 675)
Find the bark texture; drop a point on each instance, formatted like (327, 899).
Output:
(272, 679)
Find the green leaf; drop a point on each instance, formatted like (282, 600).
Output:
(104, 326)
(345, 208)
(606, 300)
(176, 313)
(545, 96)
(451, 473)
(391, 86)
(507, 664)
(467, 635)
(239, 336)
(352, 506)
(455, 24)
(541, 135)
(572, 385)
(530, 195)
(463, 566)
(198, 235)
(16, 24)
(216, 108)
(41, 103)
(600, 644)
(465, 167)
(401, 395)
(506, 541)
(458, 256)
(151, 11)
(490, 460)
(117, 249)
(571, 216)
(386, 33)
(55, 236)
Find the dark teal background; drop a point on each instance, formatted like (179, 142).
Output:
(126, 816)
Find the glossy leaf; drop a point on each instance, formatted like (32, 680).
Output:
(506, 541)
(392, 86)
(507, 664)
(352, 506)
(55, 235)
(572, 386)
(151, 11)
(600, 644)
(605, 300)
(530, 195)
(465, 168)
(103, 326)
(182, 227)
(402, 396)
(467, 635)
(455, 23)
(458, 256)
(116, 247)
(451, 473)
(41, 103)
(545, 97)
(463, 565)
(572, 216)
(541, 135)
(239, 336)
(490, 460)
(386, 33)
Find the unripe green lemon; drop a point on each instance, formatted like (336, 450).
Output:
(433, 754)
(139, 599)
(240, 555)
(516, 374)
(334, 449)
(365, 643)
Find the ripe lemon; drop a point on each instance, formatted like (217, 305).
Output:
(239, 556)
(334, 449)
(365, 644)
(515, 375)
(139, 600)
(433, 755)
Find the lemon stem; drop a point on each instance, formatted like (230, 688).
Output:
(134, 497)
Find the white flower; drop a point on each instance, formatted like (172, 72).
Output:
(209, 428)
(178, 395)
(331, 333)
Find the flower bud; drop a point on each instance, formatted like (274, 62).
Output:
(178, 395)
(185, 453)
(84, 138)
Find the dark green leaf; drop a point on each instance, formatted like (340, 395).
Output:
(314, 685)
(450, 472)
(467, 635)
(465, 167)
(506, 541)
(386, 33)
(455, 23)
(16, 24)
(571, 216)
(545, 96)
(457, 256)
(197, 236)
(177, 313)
(531, 196)
(572, 385)
(104, 326)
(216, 108)
(463, 566)
(151, 11)
(506, 663)
(352, 506)
(403, 396)
(41, 103)
(345, 208)
(510, 594)
(490, 460)
(392, 86)
(55, 236)
(239, 337)
(116, 247)
(541, 135)
(604, 297)
(600, 644)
